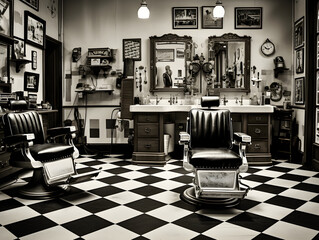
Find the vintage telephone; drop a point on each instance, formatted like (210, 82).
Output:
(76, 54)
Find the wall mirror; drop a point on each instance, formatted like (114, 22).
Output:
(169, 54)
(230, 55)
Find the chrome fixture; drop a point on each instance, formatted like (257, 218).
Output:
(143, 12)
(219, 11)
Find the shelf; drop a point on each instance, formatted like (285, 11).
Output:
(109, 91)
(6, 39)
(279, 70)
(19, 63)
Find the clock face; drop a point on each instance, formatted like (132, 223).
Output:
(268, 48)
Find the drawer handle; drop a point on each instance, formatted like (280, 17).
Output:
(147, 130)
(147, 119)
(257, 130)
(258, 118)
(257, 146)
(147, 145)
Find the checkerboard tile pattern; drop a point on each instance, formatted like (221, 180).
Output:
(128, 201)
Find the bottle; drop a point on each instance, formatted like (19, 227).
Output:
(254, 100)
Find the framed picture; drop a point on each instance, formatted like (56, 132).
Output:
(31, 82)
(5, 63)
(165, 55)
(299, 91)
(300, 60)
(208, 20)
(6, 17)
(32, 3)
(34, 59)
(299, 33)
(248, 18)
(34, 30)
(18, 51)
(317, 51)
(185, 17)
(132, 49)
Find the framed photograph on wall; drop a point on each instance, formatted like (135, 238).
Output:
(299, 91)
(32, 3)
(165, 55)
(300, 60)
(34, 30)
(18, 51)
(208, 20)
(132, 49)
(6, 17)
(185, 17)
(248, 17)
(31, 82)
(299, 30)
(34, 59)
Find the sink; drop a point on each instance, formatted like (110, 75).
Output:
(187, 108)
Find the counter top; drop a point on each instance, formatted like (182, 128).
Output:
(187, 108)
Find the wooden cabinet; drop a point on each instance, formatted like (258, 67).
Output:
(258, 126)
(148, 139)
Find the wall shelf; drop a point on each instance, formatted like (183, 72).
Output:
(279, 70)
(109, 91)
(20, 63)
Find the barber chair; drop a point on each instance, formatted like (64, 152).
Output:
(52, 163)
(215, 155)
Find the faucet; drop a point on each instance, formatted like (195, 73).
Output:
(236, 98)
(171, 99)
(158, 100)
(225, 100)
(241, 100)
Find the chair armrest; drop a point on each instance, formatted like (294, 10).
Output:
(19, 139)
(242, 137)
(61, 131)
(184, 138)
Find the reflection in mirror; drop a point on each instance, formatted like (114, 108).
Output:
(168, 62)
(231, 57)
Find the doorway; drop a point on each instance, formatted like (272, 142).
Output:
(53, 79)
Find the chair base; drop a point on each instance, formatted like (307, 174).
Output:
(37, 189)
(189, 196)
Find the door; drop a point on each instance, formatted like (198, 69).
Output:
(53, 79)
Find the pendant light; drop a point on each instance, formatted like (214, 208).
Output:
(219, 10)
(143, 12)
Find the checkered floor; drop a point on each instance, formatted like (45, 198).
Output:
(128, 201)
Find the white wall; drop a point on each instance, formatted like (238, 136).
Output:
(104, 23)
(18, 31)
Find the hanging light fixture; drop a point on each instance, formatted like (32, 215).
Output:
(143, 12)
(219, 10)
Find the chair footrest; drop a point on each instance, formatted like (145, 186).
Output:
(222, 194)
(83, 177)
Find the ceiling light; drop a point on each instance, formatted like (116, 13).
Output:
(219, 10)
(143, 12)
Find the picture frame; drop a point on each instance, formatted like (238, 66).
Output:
(18, 48)
(300, 60)
(299, 91)
(165, 55)
(6, 13)
(34, 59)
(132, 49)
(34, 30)
(248, 17)
(185, 17)
(31, 82)
(208, 20)
(317, 64)
(299, 32)
(32, 3)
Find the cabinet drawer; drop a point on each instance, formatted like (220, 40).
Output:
(147, 118)
(257, 118)
(258, 130)
(147, 145)
(147, 130)
(258, 146)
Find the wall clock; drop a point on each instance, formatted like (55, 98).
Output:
(268, 48)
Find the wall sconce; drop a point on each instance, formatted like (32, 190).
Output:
(219, 11)
(143, 12)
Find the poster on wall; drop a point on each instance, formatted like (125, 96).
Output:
(248, 18)
(185, 17)
(299, 33)
(6, 17)
(32, 3)
(208, 20)
(299, 91)
(34, 30)
(132, 49)
(31, 82)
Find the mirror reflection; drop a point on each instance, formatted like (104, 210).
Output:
(231, 57)
(169, 54)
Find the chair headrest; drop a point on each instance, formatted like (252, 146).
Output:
(18, 105)
(210, 101)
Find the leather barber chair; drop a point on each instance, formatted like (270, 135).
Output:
(215, 155)
(52, 163)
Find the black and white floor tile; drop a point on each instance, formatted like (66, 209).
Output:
(128, 201)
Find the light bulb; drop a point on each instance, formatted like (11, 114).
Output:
(143, 12)
(219, 11)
